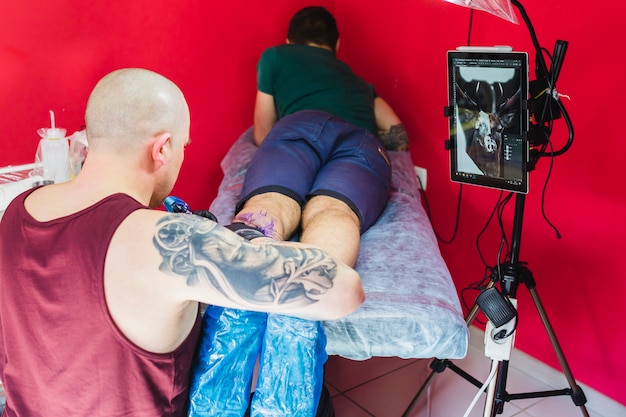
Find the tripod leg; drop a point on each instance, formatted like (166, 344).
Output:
(578, 396)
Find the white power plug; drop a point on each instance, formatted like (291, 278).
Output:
(421, 175)
(499, 341)
(498, 349)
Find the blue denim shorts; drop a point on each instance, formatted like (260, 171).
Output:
(312, 153)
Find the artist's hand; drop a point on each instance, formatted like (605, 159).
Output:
(206, 214)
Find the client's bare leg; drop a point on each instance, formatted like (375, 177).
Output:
(290, 380)
(232, 338)
(275, 214)
(332, 225)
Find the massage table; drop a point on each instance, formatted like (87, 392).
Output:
(411, 309)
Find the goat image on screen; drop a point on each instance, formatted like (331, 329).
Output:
(488, 93)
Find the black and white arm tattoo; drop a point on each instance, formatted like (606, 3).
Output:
(256, 276)
(395, 139)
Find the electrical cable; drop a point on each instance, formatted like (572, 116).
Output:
(546, 142)
(476, 286)
(469, 30)
(428, 213)
(458, 206)
(493, 212)
(488, 274)
(492, 374)
(499, 257)
(510, 332)
(497, 211)
(550, 79)
(501, 208)
(543, 196)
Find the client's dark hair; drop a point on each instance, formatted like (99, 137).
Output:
(313, 24)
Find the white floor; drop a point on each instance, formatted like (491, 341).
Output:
(384, 387)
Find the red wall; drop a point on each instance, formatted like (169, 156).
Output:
(52, 52)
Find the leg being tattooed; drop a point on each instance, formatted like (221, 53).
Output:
(275, 215)
(258, 221)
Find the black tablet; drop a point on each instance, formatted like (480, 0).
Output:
(488, 96)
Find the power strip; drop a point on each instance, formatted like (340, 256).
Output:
(499, 349)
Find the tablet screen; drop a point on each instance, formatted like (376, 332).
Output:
(488, 94)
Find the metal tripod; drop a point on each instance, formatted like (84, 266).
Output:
(510, 275)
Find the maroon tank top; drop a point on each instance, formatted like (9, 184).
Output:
(60, 352)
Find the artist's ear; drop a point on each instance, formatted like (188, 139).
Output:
(337, 45)
(161, 145)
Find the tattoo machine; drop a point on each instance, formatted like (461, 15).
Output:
(175, 204)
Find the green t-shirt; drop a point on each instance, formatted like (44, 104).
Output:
(302, 77)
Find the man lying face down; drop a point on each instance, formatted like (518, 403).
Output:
(321, 172)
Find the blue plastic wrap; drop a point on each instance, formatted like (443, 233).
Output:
(222, 375)
(292, 356)
(291, 375)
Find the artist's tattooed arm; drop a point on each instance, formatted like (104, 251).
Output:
(395, 139)
(265, 277)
